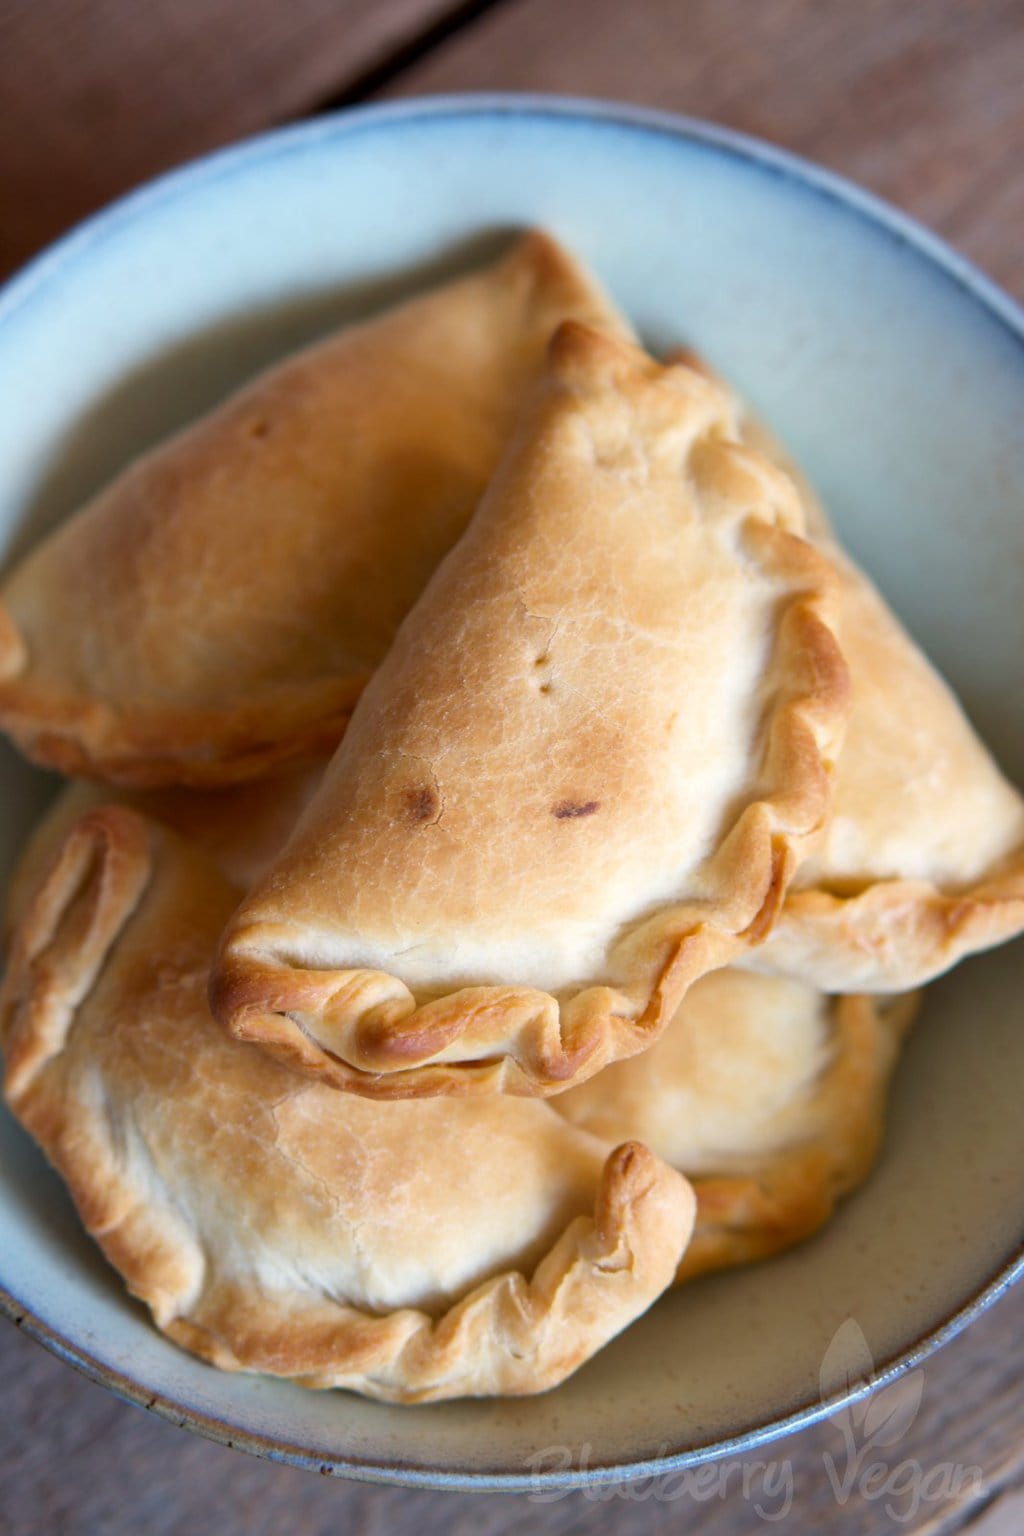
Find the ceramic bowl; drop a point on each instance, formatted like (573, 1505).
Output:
(892, 369)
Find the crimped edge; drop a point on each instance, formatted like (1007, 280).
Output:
(510, 1336)
(894, 933)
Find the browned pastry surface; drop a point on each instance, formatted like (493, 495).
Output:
(217, 610)
(585, 772)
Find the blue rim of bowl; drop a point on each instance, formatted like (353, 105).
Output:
(882, 219)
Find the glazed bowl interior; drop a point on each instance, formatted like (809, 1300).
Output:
(893, 371)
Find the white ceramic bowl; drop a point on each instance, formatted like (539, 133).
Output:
(892, 369)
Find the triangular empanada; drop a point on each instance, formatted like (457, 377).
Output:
(767, 1094)
(274, 1225)
(921, 861)
(217, 610)
(582, 775)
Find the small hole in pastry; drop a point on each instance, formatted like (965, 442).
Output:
(259, 428)
(545, 687)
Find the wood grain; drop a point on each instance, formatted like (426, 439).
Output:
(74, 1460)
(920, 100)
(97, 95)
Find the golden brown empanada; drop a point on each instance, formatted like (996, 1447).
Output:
(767, 1094)
(218, 609)
(921, 861)
(582, 775)
(274, 1225)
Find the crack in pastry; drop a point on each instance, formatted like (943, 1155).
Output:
(411, 1252)
(216, 611)
(768, 1095)
(602, 844)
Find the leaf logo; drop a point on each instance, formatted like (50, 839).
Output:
(847, 1366)
(872, 1423)
(892, 1411)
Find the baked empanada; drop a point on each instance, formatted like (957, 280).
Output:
(767, 1094)
(583, 774)
(218, 609)
(274, 1225)
(922, 859)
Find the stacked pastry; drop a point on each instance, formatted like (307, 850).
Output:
(515, 829)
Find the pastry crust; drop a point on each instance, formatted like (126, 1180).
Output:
(584, 774)
(411, 1252)
(895, 932)
(921, 862)
(217, 610)
(768, 1095)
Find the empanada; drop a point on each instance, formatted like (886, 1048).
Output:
(767, 1094)
(921, 861)
(583, 774)
(217, 610)
(274, 1225)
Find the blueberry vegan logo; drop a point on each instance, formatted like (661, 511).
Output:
(864, 1468)
(766, 1486)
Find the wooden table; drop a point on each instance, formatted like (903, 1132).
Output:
(921, 100)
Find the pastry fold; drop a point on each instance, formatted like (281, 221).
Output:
(407, 1251)
(768, 1095)
(585, 772)
(216, 611)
